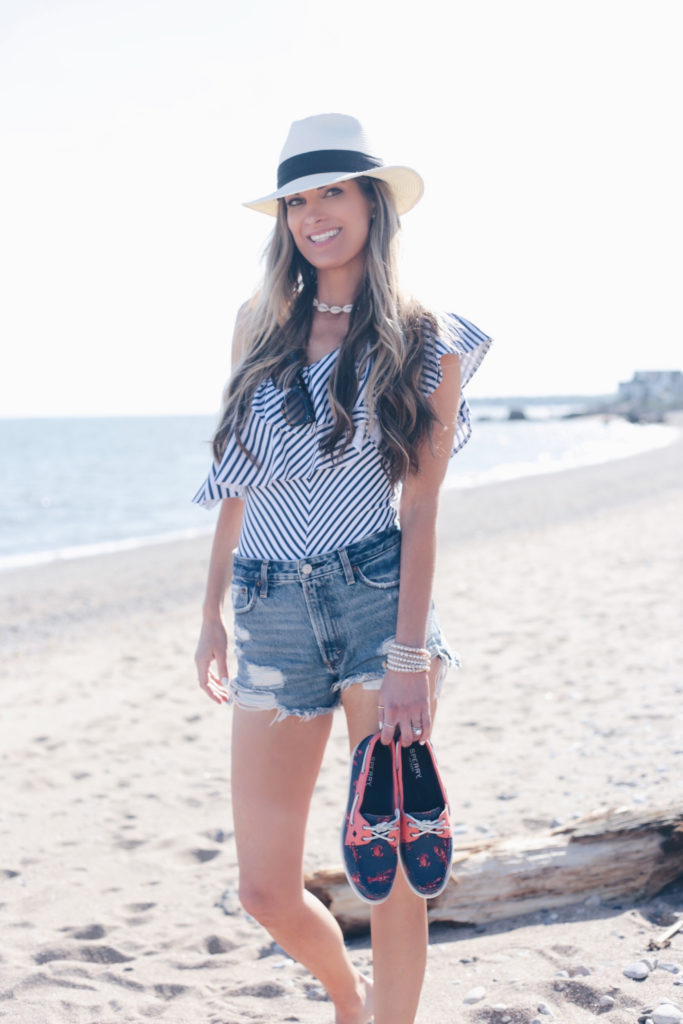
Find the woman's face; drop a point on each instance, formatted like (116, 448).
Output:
(330, 225)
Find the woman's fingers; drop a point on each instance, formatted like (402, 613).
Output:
(217, 689)
(221, 659)
(403, 708)
(387, 732)
(410, 725)
(412, 729)
(210, 684)
(212, 649)
(421, 728)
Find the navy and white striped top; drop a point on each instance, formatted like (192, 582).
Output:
(299, 501)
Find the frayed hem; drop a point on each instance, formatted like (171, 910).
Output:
(448, 658)
(306, 715)
(364, 678)
(264, 700)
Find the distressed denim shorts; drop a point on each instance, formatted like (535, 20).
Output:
(306, 629)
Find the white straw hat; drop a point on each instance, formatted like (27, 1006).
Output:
(327, 148)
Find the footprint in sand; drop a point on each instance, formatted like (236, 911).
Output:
(116, 979)
(130, 844)
(139, 911)
(217, 835)
(200, 856)
(270, 990)
(89, 932)
(89, 954)
(170, 991)
(41, 979)
(216, 945)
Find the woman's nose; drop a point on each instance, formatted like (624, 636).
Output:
(313, 210)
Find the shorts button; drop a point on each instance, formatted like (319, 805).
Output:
(306, 569)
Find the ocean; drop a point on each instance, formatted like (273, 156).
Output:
(72, 487)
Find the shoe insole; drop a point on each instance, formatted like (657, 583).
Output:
(421, 790)
(379, 791)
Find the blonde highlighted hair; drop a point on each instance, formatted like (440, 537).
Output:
(385, 336)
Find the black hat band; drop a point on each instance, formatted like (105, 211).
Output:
(322, 161)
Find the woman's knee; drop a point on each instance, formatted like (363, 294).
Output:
(268, 904)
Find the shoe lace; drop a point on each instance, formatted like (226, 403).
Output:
(380, 830)
(425, 828)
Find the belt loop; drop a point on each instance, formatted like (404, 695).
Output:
(346, 566)
(264, 579)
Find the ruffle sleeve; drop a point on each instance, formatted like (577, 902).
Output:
(272, 459)
(281, 452)
(463, 338)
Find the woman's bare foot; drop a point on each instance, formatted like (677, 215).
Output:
(361, 1012)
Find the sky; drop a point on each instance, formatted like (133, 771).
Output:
(131, 131)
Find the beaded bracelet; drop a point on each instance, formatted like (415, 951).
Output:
(396, 646)
(402, 658)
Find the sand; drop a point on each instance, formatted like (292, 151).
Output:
(117, 864)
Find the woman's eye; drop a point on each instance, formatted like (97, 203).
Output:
(294, 201)
(334, 191)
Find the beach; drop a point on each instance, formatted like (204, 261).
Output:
(562, 594)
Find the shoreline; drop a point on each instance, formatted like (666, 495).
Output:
(24, 560)
(65, 593)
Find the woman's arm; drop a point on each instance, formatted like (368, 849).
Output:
(405, 695)
(213, 640)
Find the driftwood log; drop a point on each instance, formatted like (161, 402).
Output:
(623, 852)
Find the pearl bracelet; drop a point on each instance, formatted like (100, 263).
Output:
(402, 658)
(396, 646)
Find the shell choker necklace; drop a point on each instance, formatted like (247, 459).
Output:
(322, 307)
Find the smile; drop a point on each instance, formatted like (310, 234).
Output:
(332, 233)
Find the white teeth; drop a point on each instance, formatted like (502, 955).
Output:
(325, 235)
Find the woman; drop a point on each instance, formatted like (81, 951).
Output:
(343, 393)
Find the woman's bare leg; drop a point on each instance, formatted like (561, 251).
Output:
(399, 925)
(274, 770)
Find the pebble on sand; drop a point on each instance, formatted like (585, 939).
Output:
(475, 994)
(638, 970)
(667, 1013)
(606, 1002)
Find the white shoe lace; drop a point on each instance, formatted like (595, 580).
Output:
(429, 827)
(380, 829)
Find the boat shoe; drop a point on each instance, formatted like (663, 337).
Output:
(426, 843)
(370, 832)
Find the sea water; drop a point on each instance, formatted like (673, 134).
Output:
(71, 487)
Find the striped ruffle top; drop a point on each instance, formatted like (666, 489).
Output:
(299, 501)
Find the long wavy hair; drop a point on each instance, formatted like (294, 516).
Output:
(385, 337)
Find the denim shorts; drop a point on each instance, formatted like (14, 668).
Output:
(306, 629)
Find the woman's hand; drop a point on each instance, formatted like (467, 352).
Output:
(403, 701)
(212, 648)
